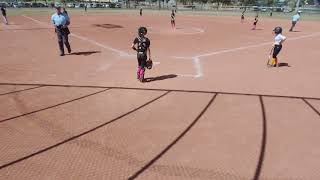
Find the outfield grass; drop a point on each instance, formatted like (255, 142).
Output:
(46, 11)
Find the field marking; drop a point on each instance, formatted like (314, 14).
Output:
(121, 53)
(198, 31)
(197, 61)
(180, 31)
(196, 58)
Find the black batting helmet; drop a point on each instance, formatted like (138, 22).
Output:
(142, 31)
(278, 30)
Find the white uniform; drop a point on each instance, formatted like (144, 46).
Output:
(278, 39)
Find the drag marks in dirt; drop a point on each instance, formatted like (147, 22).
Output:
(150, 163)
(83, 133)
(311, 106)
(157, 89)
(158, 156)
(263, 141)
(17, 91)
(50, 107)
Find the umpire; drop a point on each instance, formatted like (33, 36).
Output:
(60, 22)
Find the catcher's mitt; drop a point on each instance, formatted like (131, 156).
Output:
(149, 64)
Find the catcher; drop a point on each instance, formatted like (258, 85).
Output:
(141, 44)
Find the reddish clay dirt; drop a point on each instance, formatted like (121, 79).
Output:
(211, 109)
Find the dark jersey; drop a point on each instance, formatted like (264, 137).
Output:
(173, 16)
(143, 44)
(255, 21)
(3, 11)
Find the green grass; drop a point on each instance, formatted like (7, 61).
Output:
(48, 11)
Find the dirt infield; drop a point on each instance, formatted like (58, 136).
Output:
(210, 108)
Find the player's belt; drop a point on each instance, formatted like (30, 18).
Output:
(60, 27)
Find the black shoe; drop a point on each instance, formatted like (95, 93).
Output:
(69, 50)
(141, 78)
(62, 54)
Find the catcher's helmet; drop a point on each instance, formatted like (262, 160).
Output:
(277, 30)
(149, 64)
(142, 31)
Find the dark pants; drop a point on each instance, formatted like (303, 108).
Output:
(142, 60)
(276, 50)
(62, 35)
(293, 25)
(5, 19)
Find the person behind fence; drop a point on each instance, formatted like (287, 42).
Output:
(295, 19)
(60, 22)
(140, 11)
(4, 14)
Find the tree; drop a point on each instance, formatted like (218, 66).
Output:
(247, 2)
(270, 3)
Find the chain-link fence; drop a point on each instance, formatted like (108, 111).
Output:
(232, 6)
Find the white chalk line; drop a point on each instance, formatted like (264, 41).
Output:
(197, 31)
(196, 59)
(35, 20)
(121, 53)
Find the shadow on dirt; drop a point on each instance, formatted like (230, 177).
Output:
(160, 78)
(85, 53)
